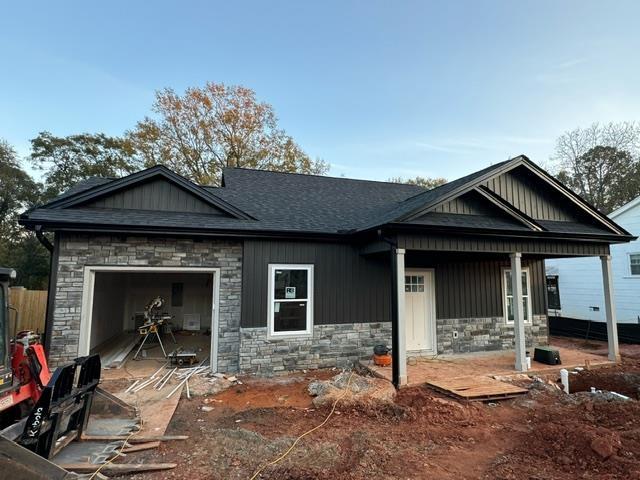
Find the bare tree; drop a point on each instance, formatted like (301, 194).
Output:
(426, 182)
(600, 163)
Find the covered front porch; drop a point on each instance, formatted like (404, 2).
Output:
(421, 370)
(454, 302)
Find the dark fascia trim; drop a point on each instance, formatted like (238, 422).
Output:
(514, 163)
(143, 175)
(191, 232)
(544, 235)
(348, 237)
(509, 209)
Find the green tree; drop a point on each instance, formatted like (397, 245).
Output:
(604, 176)
(601, 163)
(206, 129)
(19, 249)
(18, 191)
(425, 182)
(67, 160)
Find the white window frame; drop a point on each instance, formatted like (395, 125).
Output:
(631, 274)
(505, 302)
(308, 331)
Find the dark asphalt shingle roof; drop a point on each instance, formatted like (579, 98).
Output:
(323, 203)
(84, 185)
(284, 202)
(571, 227)
(469, 221)
(430, 197)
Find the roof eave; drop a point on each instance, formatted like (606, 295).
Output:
(542, 235)
(302, 234)
(31, 224)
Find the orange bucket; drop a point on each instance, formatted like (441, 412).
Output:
(382, 360)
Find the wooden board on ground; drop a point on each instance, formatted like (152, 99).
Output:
(117, 468)
(476, 388)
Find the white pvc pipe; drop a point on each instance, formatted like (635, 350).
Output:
(166, 379)
(564, 378)
(132, 386)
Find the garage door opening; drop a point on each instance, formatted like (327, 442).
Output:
(117, 314)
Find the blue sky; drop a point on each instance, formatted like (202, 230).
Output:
(375, 88)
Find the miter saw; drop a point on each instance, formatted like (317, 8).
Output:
(154, 322)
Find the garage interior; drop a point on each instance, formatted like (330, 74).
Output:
(119, 303)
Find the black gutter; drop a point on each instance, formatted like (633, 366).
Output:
(343, 234)
(194, 232)
(509, 233)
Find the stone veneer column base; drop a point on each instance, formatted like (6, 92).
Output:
(330, 346)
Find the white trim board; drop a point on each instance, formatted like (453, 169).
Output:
(86, 313)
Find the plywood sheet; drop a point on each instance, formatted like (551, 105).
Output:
(476, 388)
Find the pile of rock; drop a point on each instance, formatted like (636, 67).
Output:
(351, 389)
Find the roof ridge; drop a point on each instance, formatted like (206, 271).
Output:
(328, 177)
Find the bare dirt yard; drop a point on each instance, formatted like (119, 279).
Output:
(545, 434)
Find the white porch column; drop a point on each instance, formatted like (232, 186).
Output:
(610, 310)
(402, 324)
(518, 311)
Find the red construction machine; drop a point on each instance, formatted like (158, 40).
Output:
(23, 366)
(43, 412)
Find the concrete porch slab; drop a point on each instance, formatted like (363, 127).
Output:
(444, 367)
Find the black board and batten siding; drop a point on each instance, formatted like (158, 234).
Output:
(522, 189)
(470, 203)
(158, 195)
(354, 288)
(476, 290)
(348, 287)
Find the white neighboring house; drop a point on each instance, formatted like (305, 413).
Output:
(580, 279)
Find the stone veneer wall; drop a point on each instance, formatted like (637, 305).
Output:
(330, 346)
(485, 334)
(77, 251)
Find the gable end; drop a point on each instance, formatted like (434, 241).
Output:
(139, 178)
(156, 194)
(523, 190)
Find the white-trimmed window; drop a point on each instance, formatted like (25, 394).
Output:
(634, 264)
(508, 295)
(290, 300)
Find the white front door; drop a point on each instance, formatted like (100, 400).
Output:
(420, 310)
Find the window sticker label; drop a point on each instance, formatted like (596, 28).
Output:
(290, 292)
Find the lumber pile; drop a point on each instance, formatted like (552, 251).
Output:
(166, 377)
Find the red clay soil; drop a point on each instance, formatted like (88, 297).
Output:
(423, 435)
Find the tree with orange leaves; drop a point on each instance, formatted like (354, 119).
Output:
(206, 129)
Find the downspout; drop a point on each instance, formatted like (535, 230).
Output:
(395, 362)
(43, 240)
(48, 322)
